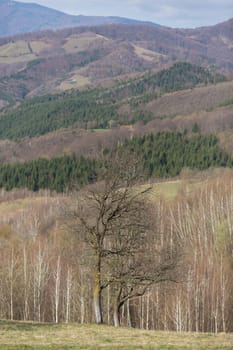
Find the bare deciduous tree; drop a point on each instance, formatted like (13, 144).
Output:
(105, 211)
(113, 219)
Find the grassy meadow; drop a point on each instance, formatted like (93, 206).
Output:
(22, 336)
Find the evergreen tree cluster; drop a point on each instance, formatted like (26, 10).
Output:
(165, 154)
(57, 174)
(180, 76)
(42, 115)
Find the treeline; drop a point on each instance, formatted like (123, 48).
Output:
(57, 174)
(182, 75)
(164, 155)
(98, 107)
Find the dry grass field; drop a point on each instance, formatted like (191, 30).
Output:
(21, 51)
(74, 82)
(22, 336)
(187, 101)
(148, 55)
(15, 52)
(77, 43)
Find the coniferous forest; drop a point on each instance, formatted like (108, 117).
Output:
(164, 155)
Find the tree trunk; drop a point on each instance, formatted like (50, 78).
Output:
(116, 315)
(97, 293)
(57, 288)
(11, 273)
(116, 309)
(68, 294)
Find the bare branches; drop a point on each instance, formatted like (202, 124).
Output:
(115, 219)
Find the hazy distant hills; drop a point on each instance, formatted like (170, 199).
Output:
(17, 17)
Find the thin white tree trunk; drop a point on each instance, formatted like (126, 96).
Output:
(82, 300)
(11, 276)
(108, 304)
(147, 309)
(57, 288)
(25, 274)
(223, 297)
(68, 294)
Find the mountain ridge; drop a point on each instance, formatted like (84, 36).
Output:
(51, 61)
(17, 17)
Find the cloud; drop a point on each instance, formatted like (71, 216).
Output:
(184, 12)
(174, 13)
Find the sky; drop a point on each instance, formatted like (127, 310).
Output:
(172, 13)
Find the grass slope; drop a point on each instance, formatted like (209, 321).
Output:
(19, 335)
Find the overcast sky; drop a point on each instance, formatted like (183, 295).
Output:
(173, 13)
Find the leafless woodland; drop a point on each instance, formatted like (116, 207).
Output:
(46, 271)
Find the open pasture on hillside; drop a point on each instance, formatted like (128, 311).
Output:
(77, 43)
(21, 51)
(75, 81)
(22, 336)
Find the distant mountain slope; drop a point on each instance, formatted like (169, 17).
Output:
(17, 17)
(73, 58)
(181, 110)
(217, 39)
(99, 108)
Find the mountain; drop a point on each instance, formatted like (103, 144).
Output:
(73, 58)
(208, 107)
(128, 77)
(217, 40)
(17, 17)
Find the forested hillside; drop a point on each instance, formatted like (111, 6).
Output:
(52, 61)
(99, 107)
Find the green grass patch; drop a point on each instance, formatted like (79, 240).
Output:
(168, 189)
(226, 103)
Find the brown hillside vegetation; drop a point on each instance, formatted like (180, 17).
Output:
(81, 142)
(218, 37)
(192, 100)
(37, 63)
